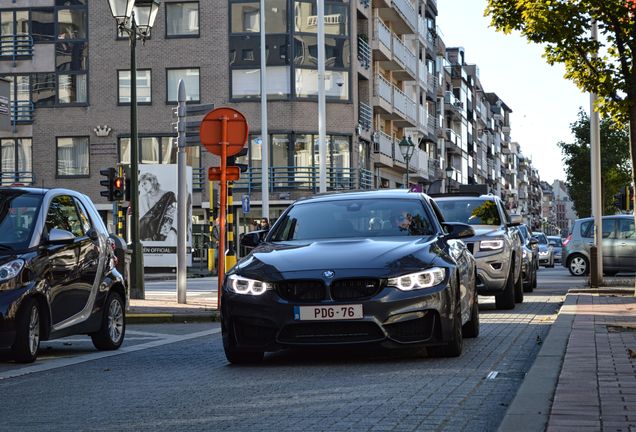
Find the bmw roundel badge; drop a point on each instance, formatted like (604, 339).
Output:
(328, 274)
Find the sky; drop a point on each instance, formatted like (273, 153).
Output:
(543, 103)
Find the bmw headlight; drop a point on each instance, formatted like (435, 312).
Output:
(11, 269)
(242, 285)
(424, 279)
(491, 244)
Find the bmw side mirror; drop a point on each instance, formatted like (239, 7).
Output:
(458, 230)
(60, 236)
(252, 239)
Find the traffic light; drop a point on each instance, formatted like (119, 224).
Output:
(119, 188)
(231, 161)
(109, 173)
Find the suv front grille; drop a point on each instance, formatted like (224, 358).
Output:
(354, 289)
(301, 290)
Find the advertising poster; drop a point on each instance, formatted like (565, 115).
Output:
(158, 214)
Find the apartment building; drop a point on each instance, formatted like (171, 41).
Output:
(564, 207)
(389, 77)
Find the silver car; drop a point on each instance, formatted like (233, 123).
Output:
(619, 245)
(557, 244)
(546, 251)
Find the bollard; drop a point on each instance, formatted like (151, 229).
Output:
(594, 276)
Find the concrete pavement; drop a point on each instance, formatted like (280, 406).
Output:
(584, 377)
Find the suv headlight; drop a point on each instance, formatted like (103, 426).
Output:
(525, 253)
(491, 244)
(424, 279)
(11, 269)
(242, 285)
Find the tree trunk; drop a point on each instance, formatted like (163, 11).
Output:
(632, 150)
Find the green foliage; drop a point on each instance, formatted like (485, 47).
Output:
(563, 28)
(615, 163)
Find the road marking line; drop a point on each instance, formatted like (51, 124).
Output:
(63, 362)
(492, 375)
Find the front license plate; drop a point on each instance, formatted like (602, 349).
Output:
(336, 312)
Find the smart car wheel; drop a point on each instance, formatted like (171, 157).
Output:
(578, 265)
(235, 356)
(27, 337)
(111, 333)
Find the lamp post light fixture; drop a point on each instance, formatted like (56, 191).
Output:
(407, 148)
(449, 173)
(134, 18)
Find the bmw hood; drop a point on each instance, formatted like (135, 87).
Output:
(375, 257)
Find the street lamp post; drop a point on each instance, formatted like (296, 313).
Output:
(135, 18)
(407, 148)
(449, 173)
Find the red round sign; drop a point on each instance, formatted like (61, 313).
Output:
(213, 126)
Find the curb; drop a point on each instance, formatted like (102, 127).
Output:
(606, 291)
(530, 409)
(157, 318)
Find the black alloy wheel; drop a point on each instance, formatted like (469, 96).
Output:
(111, 334)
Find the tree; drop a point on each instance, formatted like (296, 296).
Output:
(605, 65)
(614, 163)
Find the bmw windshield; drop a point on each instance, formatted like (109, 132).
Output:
(473, 211)
(18, 210)
(353, 218)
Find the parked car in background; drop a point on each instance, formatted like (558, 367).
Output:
(57, 272)
(546, 252)
(557, 246)
(496, 244)
(377, 267)
(530, 264)
(619, 245)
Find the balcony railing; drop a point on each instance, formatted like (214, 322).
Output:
(300, 177)
(422, 73)
(382, 33)
(453, 138)
(405, 7)
(403, 55)
(450, 99)
(384, 144)
(366, 179)
(199, 178)
(420, 163)
(364, 52)
(432, 125)
(432, 83)
(403, 104)
(365, 115)
(8, 178)
(383, 88)
(14, 46)
(22, 111)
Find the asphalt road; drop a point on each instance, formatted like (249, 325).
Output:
(174, 377)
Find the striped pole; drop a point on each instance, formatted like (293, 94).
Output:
(120, 221)
(230, 254)
(211, 260)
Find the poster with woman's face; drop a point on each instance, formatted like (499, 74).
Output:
(158, 211)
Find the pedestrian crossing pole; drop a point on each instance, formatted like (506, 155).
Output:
(230, 254)
(120, 209)
(211, 260)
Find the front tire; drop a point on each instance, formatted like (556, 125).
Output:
(506, 299)
(111, 334)
(455, 346)
(27, 336)
(578, 265)
(519, 289)
(233, 355)
(471, 328)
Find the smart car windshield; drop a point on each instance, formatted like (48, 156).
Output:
(473, 211)
(353, 218)
(18, 210)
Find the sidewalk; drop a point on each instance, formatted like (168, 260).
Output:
(584, 377)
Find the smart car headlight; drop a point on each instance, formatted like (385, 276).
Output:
(11, 269)
(491, 244)
(424, 279)
(242, 285)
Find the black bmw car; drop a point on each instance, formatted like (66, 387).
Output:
(57, 272)
(377, 267)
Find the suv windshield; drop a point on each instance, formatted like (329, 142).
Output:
(473, 211)
(18, 210)
(353, 218)
(541, 237)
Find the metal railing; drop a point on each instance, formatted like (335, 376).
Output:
(403, 55)
(14, 46)
(299, 177)
(8, 178)
(421, 163)
(199, 179)
(384, 145)
(431, 125)
(382, 33)
(432, 83)
(22, 111)
(383, 88)
(404, 104)
(453, 138)
(422, 72)
(405, 7)
(364, 52)
(366, 179)
(365, 115)
(450, 99)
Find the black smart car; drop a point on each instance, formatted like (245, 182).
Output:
(378, 267)
(57, 272)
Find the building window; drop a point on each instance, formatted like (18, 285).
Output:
(71, 23)
(157, 150)
(191, 80)
(144, 86)
(43, 89)
(182, 19)
(71, 56)
(72, 157)
(72, 89)
(16, 161)
(246, 82)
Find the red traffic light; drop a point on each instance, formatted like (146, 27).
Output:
(119, 183)
(119, 186)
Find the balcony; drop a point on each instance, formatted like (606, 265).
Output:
(366, 179)
(365, 116)
(22, 112)
(408, 12)
(8, 178)
(14, 47)
(405, 59)
(421, 164)
(422, 73)
(364, 52)
(431, 85)
(452, 104)
(404, 105)
(384, 144)
(383, 91)
(285, 178)
(382, 41)
(453, 141)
